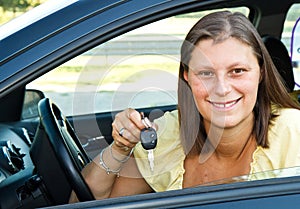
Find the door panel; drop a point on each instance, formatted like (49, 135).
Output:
(94, 130)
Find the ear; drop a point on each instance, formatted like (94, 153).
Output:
(185, 75)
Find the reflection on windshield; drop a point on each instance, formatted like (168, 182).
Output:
(279, 173)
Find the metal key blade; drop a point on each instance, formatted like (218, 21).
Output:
(151, 159)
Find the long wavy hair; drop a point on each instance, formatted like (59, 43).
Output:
(219, 26)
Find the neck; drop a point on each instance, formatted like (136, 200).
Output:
(231, 142)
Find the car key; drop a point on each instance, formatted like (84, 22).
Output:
(148, 140)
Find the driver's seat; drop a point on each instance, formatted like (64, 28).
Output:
(281, 60)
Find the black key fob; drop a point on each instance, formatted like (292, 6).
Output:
(148, 138)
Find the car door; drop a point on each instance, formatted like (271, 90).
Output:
(92, 79)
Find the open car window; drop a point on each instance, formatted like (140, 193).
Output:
(102, 57)
(137, 69)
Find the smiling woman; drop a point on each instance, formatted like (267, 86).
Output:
(224, 89)
(229, 120)
(215, 109)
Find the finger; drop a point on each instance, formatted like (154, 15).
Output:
(122, 142)
(140, 120)
(127, 130)
(130, 120)
(128, 135)
(136, 118)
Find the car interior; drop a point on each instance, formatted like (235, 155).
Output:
(44, 144)
(281, 59)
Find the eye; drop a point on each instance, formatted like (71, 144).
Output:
(237, 71)
(205, 73)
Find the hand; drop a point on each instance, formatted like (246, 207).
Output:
(126, 130)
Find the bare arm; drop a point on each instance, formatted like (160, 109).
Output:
(129, 180)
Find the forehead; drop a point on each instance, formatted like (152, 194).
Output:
(209, 43)
(209, 52)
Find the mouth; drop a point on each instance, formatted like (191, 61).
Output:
(225, 105)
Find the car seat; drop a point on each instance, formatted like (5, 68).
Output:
(281, 60)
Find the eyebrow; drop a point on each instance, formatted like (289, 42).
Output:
(203, 67)
(210, 67)
(239, 64)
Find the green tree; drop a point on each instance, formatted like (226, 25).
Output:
(10, 9)
(18, 5)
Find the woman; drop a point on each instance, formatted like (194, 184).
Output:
(234, 117)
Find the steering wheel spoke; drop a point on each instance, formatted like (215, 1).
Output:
(56, 140)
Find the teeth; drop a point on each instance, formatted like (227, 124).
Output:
(222, 105)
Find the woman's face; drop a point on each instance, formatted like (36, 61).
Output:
(224, 79)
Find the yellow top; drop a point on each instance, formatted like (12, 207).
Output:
(168, 171)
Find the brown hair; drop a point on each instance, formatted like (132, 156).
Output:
(219, 26)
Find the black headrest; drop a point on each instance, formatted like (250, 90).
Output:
(281, 60)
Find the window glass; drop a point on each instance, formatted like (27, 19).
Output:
(291, 38)
(138, 69)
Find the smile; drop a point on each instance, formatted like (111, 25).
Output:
(225, 104)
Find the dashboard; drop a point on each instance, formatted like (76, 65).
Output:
(17, 178)
(14, 150)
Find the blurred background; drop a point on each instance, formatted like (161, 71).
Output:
(10, 9)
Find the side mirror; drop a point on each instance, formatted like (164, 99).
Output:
(30, 105)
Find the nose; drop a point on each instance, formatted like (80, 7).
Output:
(222, 86)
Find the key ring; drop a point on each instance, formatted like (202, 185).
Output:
(145, 121)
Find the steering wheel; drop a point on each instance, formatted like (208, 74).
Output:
(57, 145)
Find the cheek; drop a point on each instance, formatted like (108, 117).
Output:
(200, 94)
(249, 89)
(199, 88)
(253, 93)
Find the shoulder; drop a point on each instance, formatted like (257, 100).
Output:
(284, 135)
(287, 117)
(290, 112)
(284, 143)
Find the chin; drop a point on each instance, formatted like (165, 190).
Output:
(225, 124)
